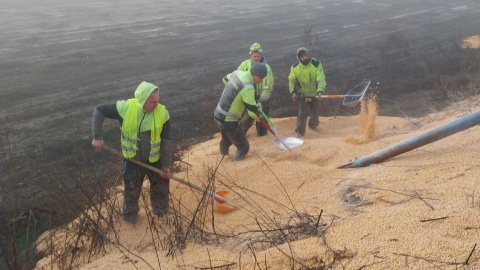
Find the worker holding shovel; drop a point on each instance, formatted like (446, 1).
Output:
(146, 137)
(238, 95)
(306, 83)
(263, 90)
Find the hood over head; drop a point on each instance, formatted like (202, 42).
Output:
(302, 51)
(143, 92)
(255, 48)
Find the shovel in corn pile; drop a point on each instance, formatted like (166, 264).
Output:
(220, 202)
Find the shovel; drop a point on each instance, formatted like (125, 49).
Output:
(352, 98)
(285, 144)
(217, 196)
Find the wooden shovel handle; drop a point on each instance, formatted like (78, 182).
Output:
(210, 193)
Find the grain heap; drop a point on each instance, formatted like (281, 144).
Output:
(294, 210)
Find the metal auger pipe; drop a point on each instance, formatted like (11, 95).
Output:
(430, 136)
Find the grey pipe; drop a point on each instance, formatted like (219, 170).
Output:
(433, 135)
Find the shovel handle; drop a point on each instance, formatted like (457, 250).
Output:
(324, 96)
(210, 193)
(329, 96)
(355, 94)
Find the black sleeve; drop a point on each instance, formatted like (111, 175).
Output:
(166, 146)
(99, 114)
(252, 108)
(166, 131)
(109, 111)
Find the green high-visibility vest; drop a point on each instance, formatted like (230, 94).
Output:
(130, 128)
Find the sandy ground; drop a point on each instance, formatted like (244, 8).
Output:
(418, 210)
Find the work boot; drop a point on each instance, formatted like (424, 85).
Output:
(130, 218)
(238, 156)
(161, 209)
(159, 196)
(130, 206)
(315, 129)
(298, 135)
(161, 213)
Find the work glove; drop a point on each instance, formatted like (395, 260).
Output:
(319, 95)
(294, 96)
(260, 106)
(263, 100)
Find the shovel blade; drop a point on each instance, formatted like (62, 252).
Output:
(354, 96)
(223, 207)
(291, 142)
(219, 195)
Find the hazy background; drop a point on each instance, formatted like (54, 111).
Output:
(106, 48)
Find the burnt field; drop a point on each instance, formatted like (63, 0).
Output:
(58, 59)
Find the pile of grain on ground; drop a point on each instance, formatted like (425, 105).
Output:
(417, 210)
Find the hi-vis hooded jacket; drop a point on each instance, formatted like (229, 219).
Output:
(136, 120)
(309, 77)
(263, 90)
(238, 94)
(146, 136)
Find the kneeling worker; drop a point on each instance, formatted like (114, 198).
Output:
(238, 95)
(263, 90)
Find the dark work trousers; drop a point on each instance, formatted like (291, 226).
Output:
(232, 133)
(246, 123)
(304, 108)
(133, 176)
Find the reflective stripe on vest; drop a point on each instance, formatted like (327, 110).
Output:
(130, 129)
(222, 111)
